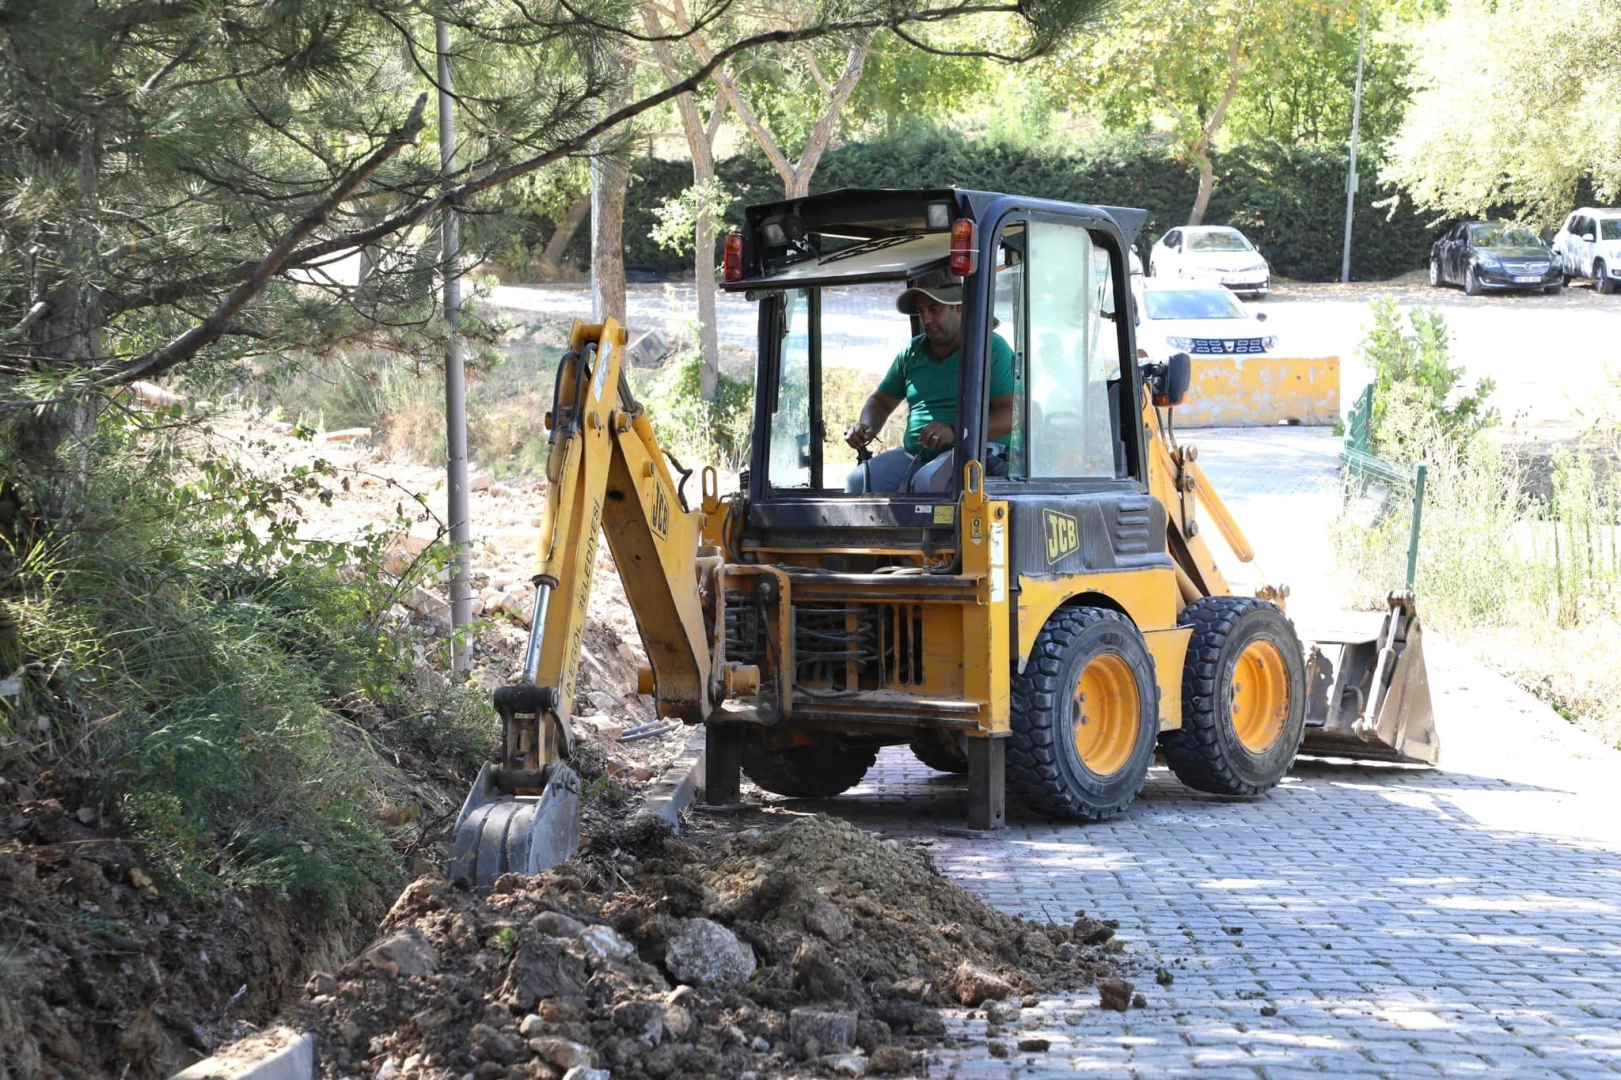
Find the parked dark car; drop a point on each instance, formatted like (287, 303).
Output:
(1482, 255)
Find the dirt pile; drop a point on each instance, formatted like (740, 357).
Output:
(812, 949)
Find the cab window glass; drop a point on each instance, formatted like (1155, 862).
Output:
(1070, 429)
(790, 465)
(1007, 311)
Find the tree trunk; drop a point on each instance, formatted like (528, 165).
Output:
(50, 445)
(701, 144)
(563, 235)
(608, 221)
(1200, 151)
(703, 279)
(607, 239)
(1207, 183)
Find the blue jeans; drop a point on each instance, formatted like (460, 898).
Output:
(888, 471)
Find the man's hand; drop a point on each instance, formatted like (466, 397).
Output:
(937, 435)
(859, 435)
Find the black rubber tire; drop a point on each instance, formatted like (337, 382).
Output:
(804, 772)
(1603, 284)
(1471, 284)
(1044, 769)
(1435, 274)
(940, 754)
(1205, 752)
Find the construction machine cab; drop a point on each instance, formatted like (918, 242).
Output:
(1057, 276)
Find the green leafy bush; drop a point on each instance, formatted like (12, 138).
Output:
(180, 637)
(1412, 366)
(699, 431)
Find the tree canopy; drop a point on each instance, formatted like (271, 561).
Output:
(183, 180)
(1514, 106)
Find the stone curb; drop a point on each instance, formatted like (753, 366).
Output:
(679, 784)
(277, 1054)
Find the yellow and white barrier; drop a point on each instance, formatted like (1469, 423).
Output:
(1260, 391)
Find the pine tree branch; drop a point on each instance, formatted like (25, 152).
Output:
(219, 322)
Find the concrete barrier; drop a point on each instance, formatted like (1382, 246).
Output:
(275, 1054)
(1260, 391)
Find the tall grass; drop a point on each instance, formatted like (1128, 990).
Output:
(179, 640)
(1528, 579)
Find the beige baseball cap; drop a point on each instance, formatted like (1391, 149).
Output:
(941, 286)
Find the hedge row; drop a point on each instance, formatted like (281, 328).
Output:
(1290, 200)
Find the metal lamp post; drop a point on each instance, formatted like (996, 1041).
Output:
(1351, 181)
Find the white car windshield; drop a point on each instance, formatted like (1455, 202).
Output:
(1218, 241)
(1193, 304)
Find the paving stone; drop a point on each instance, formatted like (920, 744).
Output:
(1473, 910)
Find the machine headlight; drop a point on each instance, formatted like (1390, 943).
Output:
(1269, 342)
(1487, 259)
(1182, 344)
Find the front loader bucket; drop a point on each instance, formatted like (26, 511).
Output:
(1372, 700)
(501, 833)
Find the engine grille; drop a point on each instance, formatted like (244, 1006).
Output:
(1525, 266)
(858, 646)
(1228, 346)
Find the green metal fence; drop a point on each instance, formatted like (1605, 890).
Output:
(1362, 468)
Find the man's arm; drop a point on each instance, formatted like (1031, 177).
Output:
(1001, 417)
(873, 414)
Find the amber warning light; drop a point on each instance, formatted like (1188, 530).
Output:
(964, 251)
(733, 264)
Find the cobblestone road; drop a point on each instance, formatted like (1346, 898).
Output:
(1400, 922)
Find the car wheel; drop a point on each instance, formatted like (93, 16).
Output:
(1471, 284)
(1555, 289)
(1602, 282)
(1435, 273)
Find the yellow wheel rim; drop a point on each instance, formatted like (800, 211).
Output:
(1107, 715)
(1260, 696)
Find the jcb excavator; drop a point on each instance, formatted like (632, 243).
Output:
(1044, 623)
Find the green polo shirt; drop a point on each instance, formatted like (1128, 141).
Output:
(928, 384)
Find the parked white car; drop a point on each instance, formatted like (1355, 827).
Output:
(1589, 246)
(1200, 318)
(1214, 252)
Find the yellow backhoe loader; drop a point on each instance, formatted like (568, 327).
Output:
(1044, 617)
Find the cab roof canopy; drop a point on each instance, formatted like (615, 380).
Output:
(857, 235)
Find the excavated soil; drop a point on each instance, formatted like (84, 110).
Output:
(796, 949)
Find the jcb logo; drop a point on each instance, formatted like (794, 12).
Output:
(661, 514)
(1063, 534)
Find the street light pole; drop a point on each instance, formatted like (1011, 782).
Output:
(1356, 122)
(461, 591)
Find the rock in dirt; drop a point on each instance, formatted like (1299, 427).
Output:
(833, 1031)
(889, 1060)
(1002, 1012)
(404, 952)
(707, 954)
(972, 985)
(561, 1053)
(540, 969)
(1034, 1045)
(605, 943)
(489, 1044)
(1114, 994)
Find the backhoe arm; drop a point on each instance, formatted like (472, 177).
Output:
(606, 473)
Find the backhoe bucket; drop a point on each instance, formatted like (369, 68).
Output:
(499, 832)
(1372, 701)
